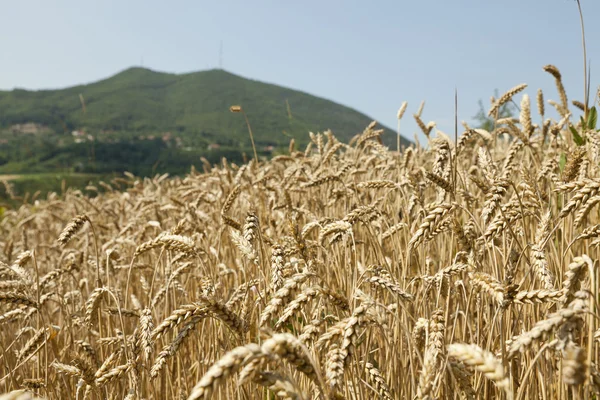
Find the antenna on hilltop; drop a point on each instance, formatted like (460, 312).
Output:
(221, 55)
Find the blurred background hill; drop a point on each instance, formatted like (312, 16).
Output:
(145, 121)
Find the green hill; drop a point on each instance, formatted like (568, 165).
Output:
(129, 114)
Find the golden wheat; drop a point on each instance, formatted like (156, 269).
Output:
(339, 271)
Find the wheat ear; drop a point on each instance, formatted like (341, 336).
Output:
(483, 361)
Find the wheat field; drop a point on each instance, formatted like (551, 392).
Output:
(455, 270)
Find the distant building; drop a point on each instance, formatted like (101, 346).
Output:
(29, 128)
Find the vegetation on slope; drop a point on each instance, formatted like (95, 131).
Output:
(178, 118)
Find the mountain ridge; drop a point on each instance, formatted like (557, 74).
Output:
(140, 99)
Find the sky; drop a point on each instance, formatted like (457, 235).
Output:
(370, 56)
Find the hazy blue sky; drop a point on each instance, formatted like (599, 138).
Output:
(367, 55)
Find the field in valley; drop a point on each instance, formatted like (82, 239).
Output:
(27, 188)
(460, 269)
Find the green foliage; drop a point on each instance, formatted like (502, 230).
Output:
(592, 118)
(588, 124)
(577, 138)
(562, 162)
